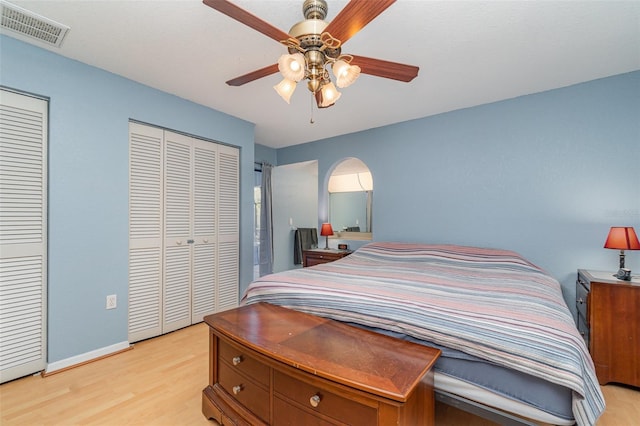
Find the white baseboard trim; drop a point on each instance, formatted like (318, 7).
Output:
(86, 357)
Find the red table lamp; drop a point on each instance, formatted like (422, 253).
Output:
(325, 231)
(622, 238)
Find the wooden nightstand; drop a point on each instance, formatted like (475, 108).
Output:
(318, 256)
(269, 365)
(609, 321)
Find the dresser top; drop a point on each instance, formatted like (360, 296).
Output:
(608, 277)
(354, 357)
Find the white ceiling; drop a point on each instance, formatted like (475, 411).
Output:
(469, 53)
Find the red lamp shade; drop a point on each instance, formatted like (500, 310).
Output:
(327, 230)
(621, 238)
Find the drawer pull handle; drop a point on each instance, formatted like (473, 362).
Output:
(236, 360)
(580, 301)
(314, 400)
(237, 389)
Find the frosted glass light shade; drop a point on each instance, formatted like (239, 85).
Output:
(292, 66)
(329, 95)
(285, 89)
(345, 74)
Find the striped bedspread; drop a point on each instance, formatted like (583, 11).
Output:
(489, 303)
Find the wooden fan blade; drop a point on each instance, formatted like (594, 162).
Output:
(386, 69)
(244, 17)
(355, 15)
(247, 78)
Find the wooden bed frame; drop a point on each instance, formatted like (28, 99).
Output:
(482, 410)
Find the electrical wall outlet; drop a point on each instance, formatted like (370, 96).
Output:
(112, 301)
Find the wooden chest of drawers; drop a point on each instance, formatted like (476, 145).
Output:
(274, 366)
(318, 256)
(609, 320)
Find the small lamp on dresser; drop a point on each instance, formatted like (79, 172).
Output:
(622, 238)
(325, 231)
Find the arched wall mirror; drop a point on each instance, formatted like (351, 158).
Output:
(350, 200)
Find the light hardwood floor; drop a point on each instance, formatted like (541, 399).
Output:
(160, 382)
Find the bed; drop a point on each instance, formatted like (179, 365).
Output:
(509, 344)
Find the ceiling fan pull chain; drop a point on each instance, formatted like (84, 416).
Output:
(312, 99)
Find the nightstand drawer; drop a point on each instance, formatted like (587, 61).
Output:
(330, 404)
(583, 328)
(582, 299)
(319, 256)
(316, 260)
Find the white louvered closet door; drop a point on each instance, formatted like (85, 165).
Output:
(228, 228)
(178, 231)
(183, 230)
(145, 231)
(23, 234)
(205, 172)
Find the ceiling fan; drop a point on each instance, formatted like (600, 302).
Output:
(314, 45)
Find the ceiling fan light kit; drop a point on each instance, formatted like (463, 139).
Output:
(315, 45)
(292, 66)
(329, 95)
(345, 74)
(285, 89)
(311, 50)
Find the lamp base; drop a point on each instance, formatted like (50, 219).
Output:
(623, 274)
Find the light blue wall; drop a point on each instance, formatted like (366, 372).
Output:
(88, 185)
(545, 175)
(265, 154)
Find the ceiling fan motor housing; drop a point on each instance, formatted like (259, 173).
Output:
(315, 9)
(308, 33)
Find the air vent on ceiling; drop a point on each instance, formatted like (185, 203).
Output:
(31, 25)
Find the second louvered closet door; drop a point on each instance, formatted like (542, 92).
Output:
(228, 229)
(205, 246)
(178, 240)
